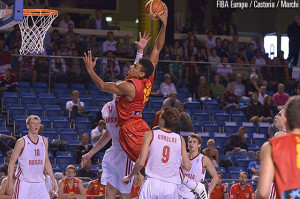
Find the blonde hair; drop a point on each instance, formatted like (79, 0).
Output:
(196, 136)
(32, 117)
(210, 140)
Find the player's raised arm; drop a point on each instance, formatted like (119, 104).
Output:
(160, 40)
(141, 44)
(267, 172)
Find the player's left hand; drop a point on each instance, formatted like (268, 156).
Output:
(142, 43)
(126, 180)
(54, 188)
(88, 60)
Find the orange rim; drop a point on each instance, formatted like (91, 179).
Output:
(39, 12)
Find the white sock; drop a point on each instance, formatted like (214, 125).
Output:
(191, 184)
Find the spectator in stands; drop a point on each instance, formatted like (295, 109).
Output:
(220, 50)
(42, 69)
(224, 69)
(125, 69)
(127, 47)
(167, 87)
(75, 106)
(221, 190)
(94, 46)
(110, 43)
(190, 50)
(79, 45)
(118, 54)
(172, 100)
(176, 49)
(239, 87)
(110, 68)
(269, 110)
(66, 21)
(254, 167)
(86, 171)
(76, 68)
(258, 44)
(230, 101)
(135, 187)
(293, 32)
(185, 121)
(259, 60)
(235, 45)
(175, 69)
(211, 152)
(253, 85)
(262, 94)
(71, 187)
(225, 48)
(201, 56)
(190, 36)
(240, 68)
(8, 81)
(83, 148)
(243, 55)
(216, 88)
(237, 143)
(242, 190)
(70, 32)
(250, 51)
(67, 46)
(254, 109)
(55, 40)
(58, 67)
(95, 188)
(99, 22)
(203, 89)
(166, 54)
(26, 69)
(214, 59)
(5, 57)
(192, 75)
(98, 131)
(280, 98)
(210, 41)
(4, 167)
(15, 39)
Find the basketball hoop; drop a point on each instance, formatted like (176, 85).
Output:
(34, 26)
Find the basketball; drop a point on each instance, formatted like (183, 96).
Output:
(154, 8)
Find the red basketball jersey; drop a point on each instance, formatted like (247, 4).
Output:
(286, 158)
(128, 110)
(74, 189)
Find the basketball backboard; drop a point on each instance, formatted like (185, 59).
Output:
(11, 12)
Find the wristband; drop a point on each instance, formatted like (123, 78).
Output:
(138, 56)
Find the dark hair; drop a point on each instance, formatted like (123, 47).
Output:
(170, 116)
(147, 67)
(221, 174)
(292, 112)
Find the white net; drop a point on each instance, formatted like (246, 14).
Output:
(33, 30)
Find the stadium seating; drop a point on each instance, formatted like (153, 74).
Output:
(46, 98)
(40, 87)
(28, 98)
(34, 109)
(64, 157)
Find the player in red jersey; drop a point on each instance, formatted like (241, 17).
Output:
(134, 92)
(242, 190)
(221, 190)
(95, 188)
(71, 187)
(280, 157)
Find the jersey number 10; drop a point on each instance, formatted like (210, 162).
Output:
(166, 154)
(37, 152)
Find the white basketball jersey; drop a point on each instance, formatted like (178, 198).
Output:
(197, 172)
(31, 161)
(164, 158)
(110, 115)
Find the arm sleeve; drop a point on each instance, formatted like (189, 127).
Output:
(137, 57)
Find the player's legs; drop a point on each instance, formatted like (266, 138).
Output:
(110, 191)
(131, 137)
(39, 191)
(156, 189)
(25, 190)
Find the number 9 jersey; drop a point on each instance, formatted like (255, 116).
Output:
(164, 158)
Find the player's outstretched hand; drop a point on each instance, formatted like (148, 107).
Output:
(85, 158)
(164, 16)
(142, 43)
(88, 60)
(126, 180)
